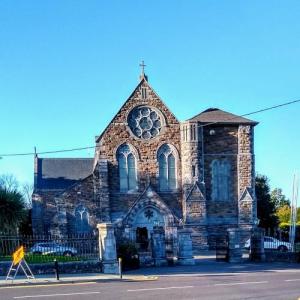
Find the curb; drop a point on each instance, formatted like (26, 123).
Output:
(79, 281)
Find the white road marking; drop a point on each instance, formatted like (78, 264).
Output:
(289, 280)
(285, 271)
(47, 285)
(201, 274)
(163, 288)
(246, 272)
(240, 283)
(56, 295)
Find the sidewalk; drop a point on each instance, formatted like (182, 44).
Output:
(71, 279)
(205, 266)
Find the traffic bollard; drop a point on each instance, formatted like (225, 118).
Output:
(56, 269)
(120, 267)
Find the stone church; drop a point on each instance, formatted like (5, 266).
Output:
(150, 169)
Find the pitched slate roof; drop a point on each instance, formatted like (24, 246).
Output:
(60, 173)
(219, 116)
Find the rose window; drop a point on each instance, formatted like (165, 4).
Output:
(145, 122)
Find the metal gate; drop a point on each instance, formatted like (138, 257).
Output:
(222, 247)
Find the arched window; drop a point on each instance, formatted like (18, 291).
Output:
(127, 168)
(167, 168)
(82, 220)
(220, 172)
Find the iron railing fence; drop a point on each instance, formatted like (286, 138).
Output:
(44, 248)
(272, 244)
(221, 241)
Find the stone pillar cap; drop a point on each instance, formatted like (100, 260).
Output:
(184, 230)
(104, 225)
(233, 229)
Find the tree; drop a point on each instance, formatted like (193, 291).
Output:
(284, 214)
(279, 199)
(265, 207)
(27, 190)
(12, 210)
(9, 182)
(15, 204)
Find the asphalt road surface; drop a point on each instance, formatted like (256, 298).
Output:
(276, 284)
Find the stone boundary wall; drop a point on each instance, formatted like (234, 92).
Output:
(289, 257)
(64, 268)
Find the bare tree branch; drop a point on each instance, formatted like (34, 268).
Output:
(9, 182)
(27, 190)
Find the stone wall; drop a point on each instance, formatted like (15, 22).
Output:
(221, 142)
(246, 165)
(101, 190)
(93, 266)
(43, 210)
(230, 143)
(79, 194)
(191, 153)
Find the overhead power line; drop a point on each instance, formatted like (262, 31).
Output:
(203, 125)
(48, 152)
(254, 112)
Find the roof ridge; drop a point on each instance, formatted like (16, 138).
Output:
(219, 116)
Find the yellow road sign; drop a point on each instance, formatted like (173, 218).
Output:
(18, 255)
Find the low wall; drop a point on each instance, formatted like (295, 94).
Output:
(276, 256)
(66, 267)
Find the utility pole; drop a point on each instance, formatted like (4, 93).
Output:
(293, 219)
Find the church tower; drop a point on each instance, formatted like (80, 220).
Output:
(194, 201)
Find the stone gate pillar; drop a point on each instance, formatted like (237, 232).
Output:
(159, 246)
(235, 251)
(107, 248)
(185, 247)
(257, 250)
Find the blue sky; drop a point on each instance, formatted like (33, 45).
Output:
(66, 67)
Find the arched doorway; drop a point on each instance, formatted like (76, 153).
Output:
(142, 239)
(147, 214)
(143, 224)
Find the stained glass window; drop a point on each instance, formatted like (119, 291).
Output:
(127, 168)
(167, 168)
(82, 220)
(220, 172)
(145, 122)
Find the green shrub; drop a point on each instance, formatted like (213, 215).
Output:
(40, 259)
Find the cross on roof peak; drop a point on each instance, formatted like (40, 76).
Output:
(142, 76)
(142, 65)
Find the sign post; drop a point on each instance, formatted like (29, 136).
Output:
(18, 261)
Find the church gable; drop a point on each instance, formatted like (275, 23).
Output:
(139, 129)
(246, 207)
(143, 95)
(195, 205)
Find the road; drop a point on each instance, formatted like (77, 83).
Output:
(261, 284)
